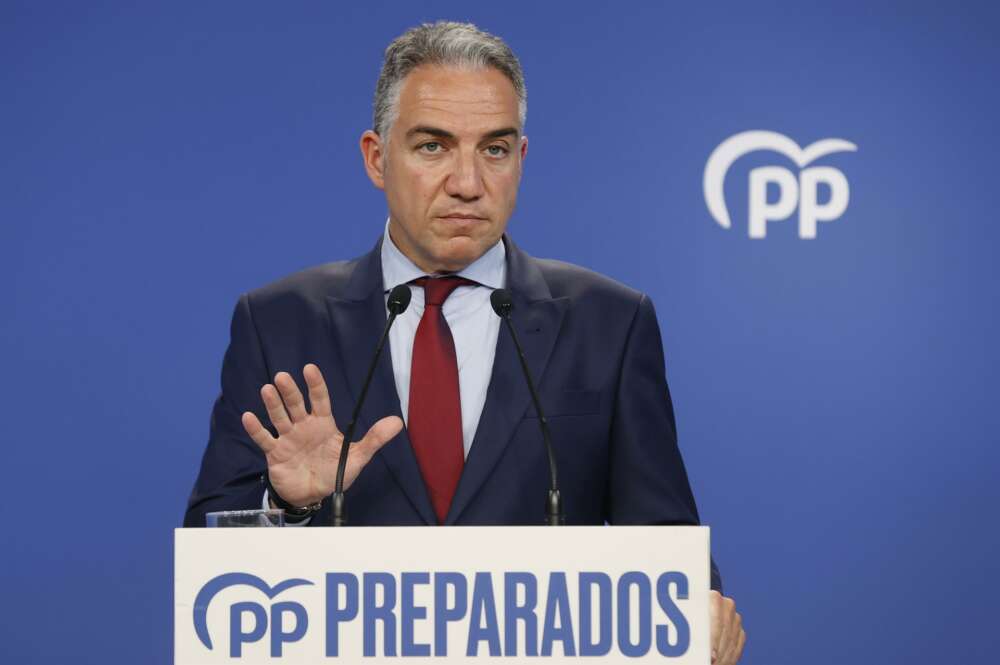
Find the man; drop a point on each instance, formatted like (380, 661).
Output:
(448, 148)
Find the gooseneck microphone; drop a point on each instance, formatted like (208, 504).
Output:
(502, 305)
(399, 300)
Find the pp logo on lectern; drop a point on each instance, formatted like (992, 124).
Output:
(282, 630)
(794, 192)
(425, 612)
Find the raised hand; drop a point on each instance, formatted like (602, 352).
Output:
(302, 460)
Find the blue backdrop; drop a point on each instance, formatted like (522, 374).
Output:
(836, 396)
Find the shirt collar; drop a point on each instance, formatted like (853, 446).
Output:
(490, 269)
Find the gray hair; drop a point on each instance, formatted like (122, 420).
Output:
(443, 43)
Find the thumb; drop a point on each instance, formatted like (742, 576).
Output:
(380, 434)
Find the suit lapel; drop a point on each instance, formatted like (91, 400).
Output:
(357, 320)
(537, 317)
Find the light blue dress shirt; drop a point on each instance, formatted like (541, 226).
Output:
(474, 327)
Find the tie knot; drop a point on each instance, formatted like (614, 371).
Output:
(437, 289)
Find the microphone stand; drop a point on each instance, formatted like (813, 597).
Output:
(399, 300)
(554, 516)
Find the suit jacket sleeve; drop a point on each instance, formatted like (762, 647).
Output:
(648, 481)
(231, 469)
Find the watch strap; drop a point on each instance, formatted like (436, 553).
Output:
(298, 512)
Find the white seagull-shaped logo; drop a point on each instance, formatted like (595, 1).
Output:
(745, 142)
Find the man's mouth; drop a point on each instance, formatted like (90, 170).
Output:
(462, 217)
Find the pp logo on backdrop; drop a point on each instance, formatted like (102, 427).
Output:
(287, 620)
(794, 192)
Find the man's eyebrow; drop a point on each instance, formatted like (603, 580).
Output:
(497, 133)
(433, 131)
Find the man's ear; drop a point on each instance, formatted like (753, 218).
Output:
(524, 147)
(373, 154)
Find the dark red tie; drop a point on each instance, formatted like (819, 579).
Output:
(435, 410)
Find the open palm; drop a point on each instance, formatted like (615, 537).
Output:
(302, 459)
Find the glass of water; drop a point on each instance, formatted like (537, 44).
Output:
(245, 518)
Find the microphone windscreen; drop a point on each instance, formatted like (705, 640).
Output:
(399, 299)
(502, 303)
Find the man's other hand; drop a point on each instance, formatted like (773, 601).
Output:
(727, 634)
(302, 460)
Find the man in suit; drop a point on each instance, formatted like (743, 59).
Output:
(447, 148)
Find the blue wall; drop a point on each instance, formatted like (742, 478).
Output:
(836, 397)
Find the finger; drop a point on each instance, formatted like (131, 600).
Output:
(728, 631)
(257, 432)
(715, 622)
(294, 402)
(732, 648)
(740, 643)
(275, 409)
(380, 434)
(319, 398)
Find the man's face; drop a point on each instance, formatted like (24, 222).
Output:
(452, 165)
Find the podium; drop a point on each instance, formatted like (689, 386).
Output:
(354, 595)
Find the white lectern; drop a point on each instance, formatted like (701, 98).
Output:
(442, 595)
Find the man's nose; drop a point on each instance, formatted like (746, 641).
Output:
(465, 180)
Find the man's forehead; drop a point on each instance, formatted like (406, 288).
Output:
(479, 100)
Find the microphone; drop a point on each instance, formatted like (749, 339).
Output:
(399, 300)
(502, 305)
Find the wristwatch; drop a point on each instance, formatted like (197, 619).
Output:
(296, 513)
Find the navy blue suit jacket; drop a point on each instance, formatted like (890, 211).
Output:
(593, 346)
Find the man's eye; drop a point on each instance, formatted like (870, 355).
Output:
(432, 146)
(496, 151)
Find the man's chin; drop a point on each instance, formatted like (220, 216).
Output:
(459, 252)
